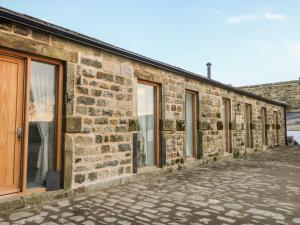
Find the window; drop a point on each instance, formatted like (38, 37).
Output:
(226, 103)
(191, 124)
(248, 123)
(148, 117)
(42, 123)
(264, 129)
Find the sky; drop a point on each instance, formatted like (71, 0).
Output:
(247, 42)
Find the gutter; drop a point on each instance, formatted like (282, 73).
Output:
(49, 28)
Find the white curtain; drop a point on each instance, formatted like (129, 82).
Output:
(42, 90)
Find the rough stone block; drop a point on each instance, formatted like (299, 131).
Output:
(79, 178)
(31, 46)
(116, 138)
(119, 80)
(168, 125)
(107, 164)
(93, 111)
(92, 176)
(124, 147)
(96, 92)
(111, 66)
(73, 124)
(180, 125)
(107, 112)
(105, 149)
(85, 100)
(120, 129)
(91, 62)
(84, 140)
(21, 30)
(6, 26)
(101, 120)
(41, 36)
(98, 139)
(105, 76)
(68, 161)
(133, 125)
(219, 125)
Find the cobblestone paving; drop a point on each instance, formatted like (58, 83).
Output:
(261, 189)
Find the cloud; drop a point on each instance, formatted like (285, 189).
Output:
(274, 16)
(253, 17)
(241, 18)
(294, 49)
(264, 44)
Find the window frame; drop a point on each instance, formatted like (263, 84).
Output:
(249, 143)
(276, 131)
(157, 117)
(228, 142)
(264, 129)
(195, 111)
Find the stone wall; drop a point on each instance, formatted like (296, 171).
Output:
(288, 92)
(100, 108)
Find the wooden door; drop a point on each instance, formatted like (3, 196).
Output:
(11, 92)
(248, 122)
(227, 124)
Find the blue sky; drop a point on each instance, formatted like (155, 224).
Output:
(248, 42)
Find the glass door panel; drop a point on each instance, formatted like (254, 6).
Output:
(146, 117)
(189, 117)
(42, 123)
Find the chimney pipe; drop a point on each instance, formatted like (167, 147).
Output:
(208, 65)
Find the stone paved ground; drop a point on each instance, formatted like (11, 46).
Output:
(261, 189)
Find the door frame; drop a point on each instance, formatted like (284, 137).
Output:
(226, 103)
(276, 132)
(25, 114)
(157, 116)
(264, 126)
(248, 120)
(195, 97)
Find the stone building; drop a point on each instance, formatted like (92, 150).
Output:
(287, 91)
(77, 112)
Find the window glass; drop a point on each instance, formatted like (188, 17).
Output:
(189, 124)
(145, 111)
(42, 116)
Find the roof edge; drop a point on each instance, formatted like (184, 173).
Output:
(270, 84)
(47, 27)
